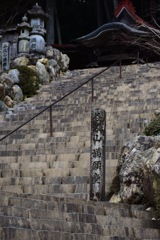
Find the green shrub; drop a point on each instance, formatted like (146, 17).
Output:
(151, 187)
(29, 81)
(153, 128)
(115, 186)
(157, 195)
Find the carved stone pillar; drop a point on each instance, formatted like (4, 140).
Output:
(97, 161)
(5, 56)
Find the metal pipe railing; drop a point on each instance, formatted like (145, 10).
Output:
(91, 79)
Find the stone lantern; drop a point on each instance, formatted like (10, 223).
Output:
(37, 22)
(23, 40)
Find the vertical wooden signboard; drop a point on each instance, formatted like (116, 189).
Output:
(97, 161)
(5, 56)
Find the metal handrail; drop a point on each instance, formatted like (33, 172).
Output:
(66, 95)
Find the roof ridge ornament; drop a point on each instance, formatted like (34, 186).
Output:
(128, 5)
(25, 18)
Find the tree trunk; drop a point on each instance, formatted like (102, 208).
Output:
(50, 5)
(59, 37)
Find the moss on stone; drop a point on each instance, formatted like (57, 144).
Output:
(156, 186)
(152, 190)
(114, 188)
(29, 81)
(153, 128)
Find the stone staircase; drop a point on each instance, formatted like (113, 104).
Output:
(24, 216)
(44, 181)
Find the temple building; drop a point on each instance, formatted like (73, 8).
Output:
(127, 36)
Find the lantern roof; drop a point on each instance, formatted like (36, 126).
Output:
(37, 11)
(24, 23)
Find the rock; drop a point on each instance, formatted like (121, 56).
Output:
(50, 52)
(52, 62)
(52, 72)
(44, 61)
(157, 112)
(47, 68)
(56, 54)
(7, 82)
(17, 94)
(115, 198)
(3, 106)
(14, 75)
(148, 209)
(42, 73)
(21, 61)
(8, 101)
(32, 67)
(138, 164)
(2, 91)
(57, 70)
(64, 62)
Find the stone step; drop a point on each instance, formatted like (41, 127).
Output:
(140, 233)
(65, 158)
(127, 222)
(75, 217)
(48, 172)
(72, 216)
(69, 205)
(30, 181)
(18, 166)
(52, 159)
(25, 234)
(79, 227)
(48, 189)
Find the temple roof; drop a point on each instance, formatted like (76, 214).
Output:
(109, 32)
(126, 24)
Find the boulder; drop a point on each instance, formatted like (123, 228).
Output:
(49, 52)
(56, 54)
(7, 82)
(14, 75)
(3, 106)
(2, 91)
(8, 101)
(64, 62)
(52, 63)
(57, 70)
(157, 112)
(21, 61)
(42, 73)
(17, 94)
(53, 53)
(139, 161)
(52, 72)
(32, 67)
(44, 61)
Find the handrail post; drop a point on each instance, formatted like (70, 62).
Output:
(92, 90)
(120, 69)
(50, 107)
(51, 125)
